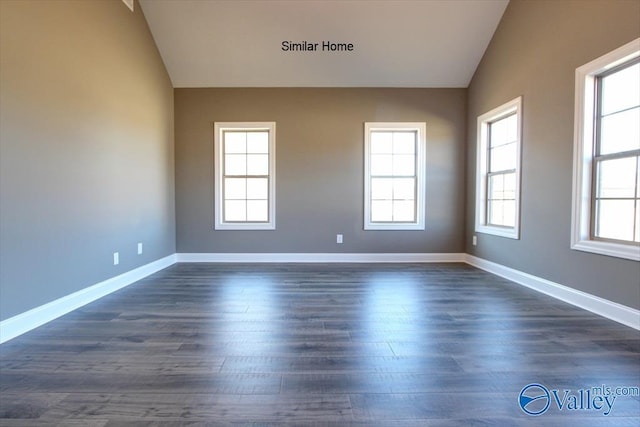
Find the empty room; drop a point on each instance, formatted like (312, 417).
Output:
(317, 212)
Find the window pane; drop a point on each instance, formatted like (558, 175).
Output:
(510, 185)
(512, 127)
(382, 188)
(496, 187)
(257, 164)
(502, 212)
(404, 189)
(504, 131)
(235, 164)
(257, 188)
(257, 210)
(235, 142)
(502, 186)
(509, 213)
(620, 132)
(503, 158)
(235, 210)
(257, 142)
(617, 178)
(495, 211)
(381, 164)
(404, 142)
(615, 219)
(637, 234)
(404, 164)
(381, 142)
(497, 134)
(621, 90)
(235, 188)
(403, 211)
(381, 211)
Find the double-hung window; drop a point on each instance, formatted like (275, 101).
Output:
(606, 192)
(498, 171)
(245, 176)
(394, 176)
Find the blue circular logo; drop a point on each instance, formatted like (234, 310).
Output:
(534, 399)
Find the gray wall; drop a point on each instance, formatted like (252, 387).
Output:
(534, 53)
(86, 148)
(87, 167)
(319, 167)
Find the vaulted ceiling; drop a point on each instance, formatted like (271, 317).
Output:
(396, 43)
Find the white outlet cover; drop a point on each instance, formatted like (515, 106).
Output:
(139, 248)
(116, 258)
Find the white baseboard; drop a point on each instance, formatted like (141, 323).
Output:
(605, 308)
(320, 257)
(24, 322)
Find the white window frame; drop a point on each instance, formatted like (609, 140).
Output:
(583, 149)
(482, 164)
(420, 129)
(219, 129)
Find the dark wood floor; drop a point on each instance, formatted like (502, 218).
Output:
(302, 344)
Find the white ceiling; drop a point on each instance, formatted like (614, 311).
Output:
(397, 43)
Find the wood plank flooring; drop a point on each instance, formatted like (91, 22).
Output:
(316, 344)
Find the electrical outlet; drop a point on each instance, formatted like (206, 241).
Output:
(139, 248)
(116, 258)
(338, 238)
(475, 240)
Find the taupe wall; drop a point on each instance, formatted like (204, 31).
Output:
(534, 53)
(86, 148)
(319, 167)
(87, 167)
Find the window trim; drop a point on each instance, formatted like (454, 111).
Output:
(583, 154)
(420, 129)
(219, 129)
(481, 226)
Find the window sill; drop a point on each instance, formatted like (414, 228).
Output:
(510, 233)
(248, 226)
(396, 227)
(609, 249)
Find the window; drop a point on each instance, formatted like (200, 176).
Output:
(245, 176)
(606, 187)
(498, 171)
(394, 176)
